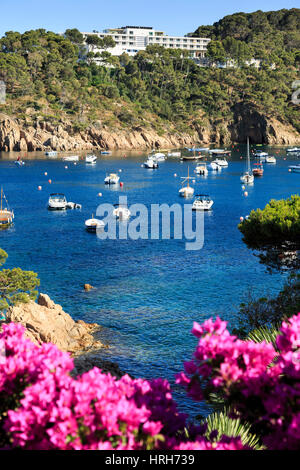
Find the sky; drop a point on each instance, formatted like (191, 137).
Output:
(175, 17)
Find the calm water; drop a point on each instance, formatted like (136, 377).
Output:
(147, 293)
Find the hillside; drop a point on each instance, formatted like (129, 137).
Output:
(159, 98)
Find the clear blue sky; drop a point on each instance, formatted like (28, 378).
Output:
(175, 17)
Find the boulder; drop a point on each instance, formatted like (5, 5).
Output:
(46, 322)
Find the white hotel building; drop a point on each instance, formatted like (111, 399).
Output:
(132, 39)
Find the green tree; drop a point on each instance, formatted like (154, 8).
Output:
(16, 285)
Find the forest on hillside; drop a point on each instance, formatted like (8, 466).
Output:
(49, 77)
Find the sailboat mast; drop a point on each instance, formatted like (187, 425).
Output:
(248, 154)
(188, 183)
(1, 197)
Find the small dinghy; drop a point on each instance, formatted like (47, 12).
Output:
(92, 225)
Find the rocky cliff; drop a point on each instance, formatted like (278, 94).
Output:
(16, 135)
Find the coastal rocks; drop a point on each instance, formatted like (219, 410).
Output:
(46, 322)
(87, 287)
(248, 121)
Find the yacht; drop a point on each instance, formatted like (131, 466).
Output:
(261, 155)
(248, 176)
(121, 212)
(203, 202)
(71, 158)
(6, 215)
(112, 178)
(57, 202)
(150, 163)
(294, 149)
(221, 162)
(186, 191)
(201, 169)
(91, 159)
(270, 159)
(93, 224)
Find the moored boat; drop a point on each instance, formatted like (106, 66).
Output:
(258, 170)
(71, 158)
(203, 202)
(201, 169)
(92, 225)
(248, 176)
(57, 202)
(186, 191)
(91, 159)
(6, 215)
(294, 168)
(112, 178)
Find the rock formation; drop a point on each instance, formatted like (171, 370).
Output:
(46, 322)
(16, 135)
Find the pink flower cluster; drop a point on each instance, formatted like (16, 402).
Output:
(48, 409)
(259, 383)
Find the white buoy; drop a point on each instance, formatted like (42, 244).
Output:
(39, 188)
(66, 167)
(45, 173)
(175, 174)
(99, 194)
(75, 163)
(245, 194)
(241, 219)
(243, 188)
(120, 171)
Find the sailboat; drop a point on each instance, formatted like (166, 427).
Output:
(6, 215)
(186, 191)
(248, 176)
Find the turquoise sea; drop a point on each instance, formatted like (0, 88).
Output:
(147, 293)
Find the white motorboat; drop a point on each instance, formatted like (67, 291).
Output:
(294, 149)
(221, 162)
(201, 169)
(105, 152)
(121, 212)
(270, 159)
(159, 157)
(57, 202)
(71, 158)
(51, 153)
(203, 202)
(248, 177)
(92, 225)
(91, 159)
(174, 154)
(261, 155)
(6, 215)
(112, 178)
(213, 167)
(294, 168)
(150, 163)
(186, 191)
